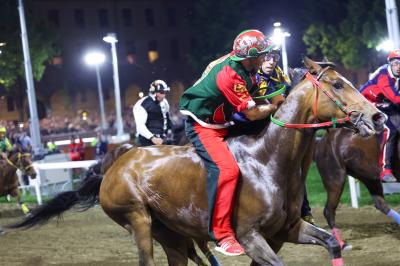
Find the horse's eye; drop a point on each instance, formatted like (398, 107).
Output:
(338, 85)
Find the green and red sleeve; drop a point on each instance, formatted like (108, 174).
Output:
(233, 87)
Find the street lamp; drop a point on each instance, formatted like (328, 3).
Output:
(278, 38)
(385, 46)
(111, 38)
(96, 59)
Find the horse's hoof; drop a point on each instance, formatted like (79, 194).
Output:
(347, 247)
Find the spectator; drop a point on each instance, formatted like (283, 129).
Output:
(152, 115)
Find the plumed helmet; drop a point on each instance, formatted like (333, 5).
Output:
(250, 43)
(158, 86)
(394, 54)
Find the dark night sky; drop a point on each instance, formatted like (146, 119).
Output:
(288, 13)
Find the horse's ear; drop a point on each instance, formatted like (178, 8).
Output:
(312, 67)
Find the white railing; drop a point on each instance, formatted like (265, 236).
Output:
(36, 183)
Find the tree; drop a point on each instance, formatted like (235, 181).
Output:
(345, 31)
(42, 46)
(215, 25)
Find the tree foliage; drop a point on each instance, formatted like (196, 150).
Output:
(41, 43)
(345, 31)
(215, 24)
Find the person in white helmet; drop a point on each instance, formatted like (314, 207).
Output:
(151, 115)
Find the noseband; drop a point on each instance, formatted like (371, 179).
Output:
(334, 122)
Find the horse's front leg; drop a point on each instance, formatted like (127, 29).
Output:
(258, 249)
(17, 195)
(305, 233)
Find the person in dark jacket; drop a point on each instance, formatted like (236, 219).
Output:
(151, 115)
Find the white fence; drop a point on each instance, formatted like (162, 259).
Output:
(355, 194)
(38, 183)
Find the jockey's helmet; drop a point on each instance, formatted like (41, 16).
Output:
(249, 44)
(158, 86)
(395, 54)
(3, 130)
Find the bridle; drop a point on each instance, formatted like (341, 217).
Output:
(18, 164)
(334, 122)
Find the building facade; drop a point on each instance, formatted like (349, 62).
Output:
(153, 41)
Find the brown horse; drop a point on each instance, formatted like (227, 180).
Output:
(9, 182)
(340, 153)
(165, 185)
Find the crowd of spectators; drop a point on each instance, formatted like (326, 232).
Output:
(89, 123)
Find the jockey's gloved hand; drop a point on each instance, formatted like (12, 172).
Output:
(240, 117)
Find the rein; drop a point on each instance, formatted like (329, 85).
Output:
(19, 162)
(271, 95)
(334, 122)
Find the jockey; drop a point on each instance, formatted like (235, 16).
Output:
(383, 90)
(221, 94)
(5, 144)
(152, 115)
(270, 78)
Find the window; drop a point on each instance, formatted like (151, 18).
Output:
(171, 15)
(103, 18)
(130, 52)
(149, 15)
(53, 16)
(79, 16)
(10, 104)
(175, 51)
(130, 47)
(153, 51)
(127, 17)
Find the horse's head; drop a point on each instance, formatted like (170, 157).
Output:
(334, 97)
(23, 161)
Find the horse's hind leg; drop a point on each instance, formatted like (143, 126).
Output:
(139, 225)
(174, 245)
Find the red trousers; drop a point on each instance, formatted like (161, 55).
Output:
(223, 174)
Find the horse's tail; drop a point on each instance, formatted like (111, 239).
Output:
(87, 195)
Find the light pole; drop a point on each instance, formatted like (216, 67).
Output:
(34, 123)
(392, 22)
(96, 59)
(278, 37)
(112, 39)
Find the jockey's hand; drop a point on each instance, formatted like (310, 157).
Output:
(157, 141)
(259, 112)
(3, 155)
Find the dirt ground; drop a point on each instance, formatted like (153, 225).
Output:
(91, 238)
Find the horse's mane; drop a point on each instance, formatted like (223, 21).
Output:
(297, 75)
